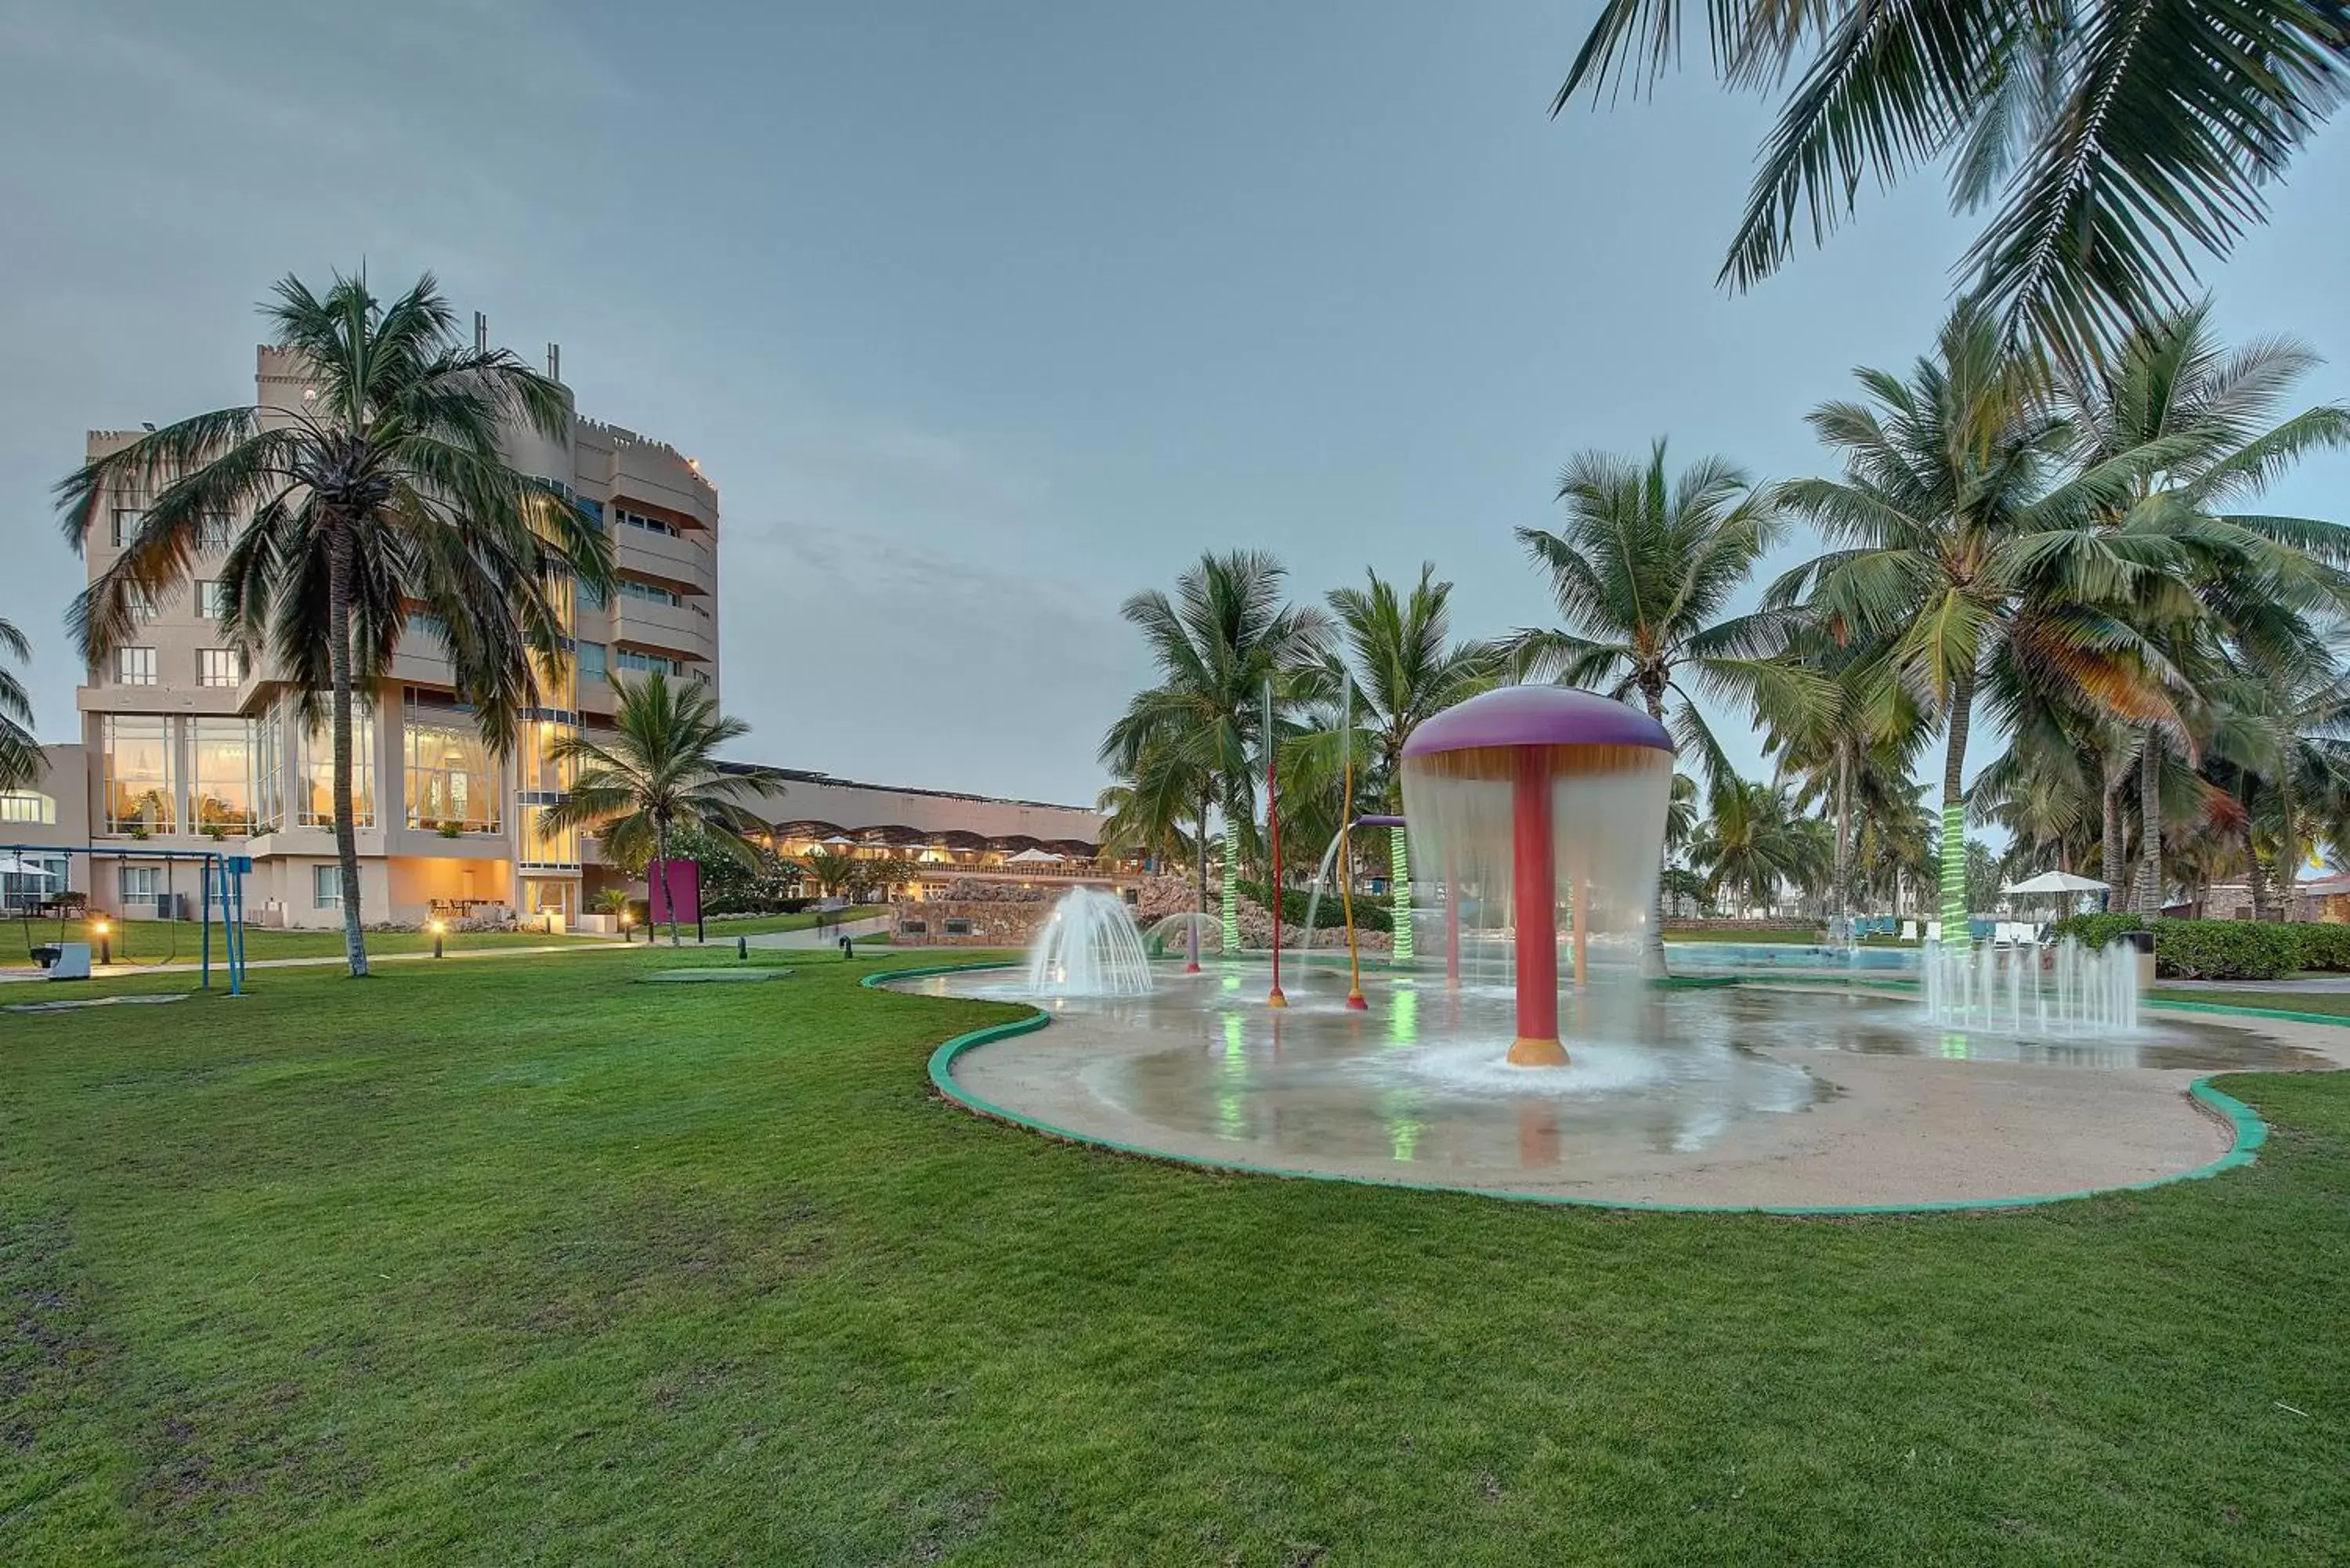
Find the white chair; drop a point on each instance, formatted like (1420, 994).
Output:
(1908, 931)
(1933, 931)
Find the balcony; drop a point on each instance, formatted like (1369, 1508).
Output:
(678, 559)
(683, 631)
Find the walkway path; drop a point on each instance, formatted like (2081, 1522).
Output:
(192, 966)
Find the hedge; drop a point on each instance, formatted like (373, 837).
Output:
(1370, 914)
(2221, 950)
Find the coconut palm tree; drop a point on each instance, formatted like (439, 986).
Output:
(656, 773)
(1223, 636)
(2108, 137)
(1641, 573)
(2264, 587)
(1750, 845)
(20, 755)
(1966, 547)
(381, 492)
(1399, 652)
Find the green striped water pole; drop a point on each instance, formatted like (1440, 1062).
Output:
(1954, 871)
(1231, 890)
(1400, 885)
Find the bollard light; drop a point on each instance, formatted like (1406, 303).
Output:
(742, 947)
(105, 932)
(440, 929)
(626, 920)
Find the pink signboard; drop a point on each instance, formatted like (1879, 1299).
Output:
(673, 881)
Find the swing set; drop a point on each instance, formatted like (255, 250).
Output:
(220, 879)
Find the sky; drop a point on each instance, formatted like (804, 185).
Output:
(983, 318)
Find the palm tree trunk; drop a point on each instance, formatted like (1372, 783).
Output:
(668, 886)
(1843, 839)
(1652, 948)
(2116, 860)
(1954, 811)
(338, 674)
(2288, 858)
(2147, 898)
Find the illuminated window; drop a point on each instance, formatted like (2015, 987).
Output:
(220, 774)
(534, 847)
(219, 667)
(134, 666)
(315, 790)
(269, 765)
(28, 805)
(451, 781)
(139, 775)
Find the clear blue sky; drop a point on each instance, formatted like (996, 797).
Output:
(981, 317)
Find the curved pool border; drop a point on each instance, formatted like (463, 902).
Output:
(2248, 1132)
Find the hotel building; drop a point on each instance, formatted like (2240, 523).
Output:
(185, 747)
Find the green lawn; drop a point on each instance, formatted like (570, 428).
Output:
(521, 1261)
(1789, 933)
(753, 925)
(158, 941)
(2333, 1003)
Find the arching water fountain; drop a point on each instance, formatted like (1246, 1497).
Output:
(1088, 946)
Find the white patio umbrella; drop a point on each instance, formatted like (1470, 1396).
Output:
(18, 865)
(1033, 858)
(2056, 882)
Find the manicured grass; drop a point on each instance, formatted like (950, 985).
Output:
(2334, 1003)
(156, 941)
(753, 925)
(1795, 933)
(521, 1261)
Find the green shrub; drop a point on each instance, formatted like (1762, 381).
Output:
(2097, 931)
(1370, 914)
(2225, 950)
(2323, 946)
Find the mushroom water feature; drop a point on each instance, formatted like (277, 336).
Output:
(1546, 796)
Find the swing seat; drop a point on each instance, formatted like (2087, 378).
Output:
(66, 960)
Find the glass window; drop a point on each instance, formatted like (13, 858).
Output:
(140, 887)
(543, 771)
(315, 790)
(537, 848)
(648, 524)
(593, 665)
(139, 773)
(39, 879)
(134, 666)
(219, 667)
(220, 774)
(126, 524)
(326, 887)
(28, 805)
(634, 589)
(269, 762)
(214, 536)
(630, 659)
(143, 603)
(590, 597)
(451, 781)
(211, 599)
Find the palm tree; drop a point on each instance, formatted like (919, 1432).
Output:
(20, 754)
(2110, 135)
(1218, 642)
(659, 772)
(383, 491)
(1641, 573)
(1750, 845)
(2263, 585)
(1959, 556)
(835, 873)
(1399, 652)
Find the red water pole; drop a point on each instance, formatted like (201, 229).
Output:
(1532, 859)
(1273, 829)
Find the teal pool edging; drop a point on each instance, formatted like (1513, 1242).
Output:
(2249, 1132)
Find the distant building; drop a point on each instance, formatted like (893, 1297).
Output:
(183, 747)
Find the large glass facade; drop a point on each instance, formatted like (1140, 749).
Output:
(315, 789)
(452, 781)
(139, 788)
(220, 775)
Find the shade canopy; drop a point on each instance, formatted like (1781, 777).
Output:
(1560, 730)
(2056, 882)
(1033, 858)
(18, 865)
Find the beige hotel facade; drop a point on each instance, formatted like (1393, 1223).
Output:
(183, 747)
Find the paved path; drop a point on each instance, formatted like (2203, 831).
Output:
(810, 939)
